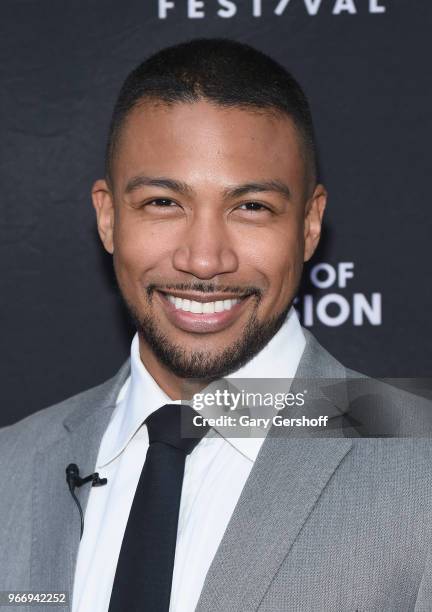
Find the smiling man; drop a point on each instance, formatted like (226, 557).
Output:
(210, 206)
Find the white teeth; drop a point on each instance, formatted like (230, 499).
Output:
(195, 307)
(201, 307)
(208, 307)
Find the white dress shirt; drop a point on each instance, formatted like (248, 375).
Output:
(215, 473)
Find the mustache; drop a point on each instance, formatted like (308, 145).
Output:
(205, 288)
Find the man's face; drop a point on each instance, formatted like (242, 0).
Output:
(208, 209)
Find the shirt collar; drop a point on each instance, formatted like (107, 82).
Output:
(137, 399)
(141, 395)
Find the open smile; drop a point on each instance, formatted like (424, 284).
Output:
(202, 313)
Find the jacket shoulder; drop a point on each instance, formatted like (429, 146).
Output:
(374, 407)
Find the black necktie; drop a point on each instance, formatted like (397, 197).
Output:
(143, 577)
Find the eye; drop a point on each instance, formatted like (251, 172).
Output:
(254, 207)
(161, 203)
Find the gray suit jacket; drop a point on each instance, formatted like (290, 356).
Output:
(323, 523)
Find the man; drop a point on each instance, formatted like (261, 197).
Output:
(210, 206)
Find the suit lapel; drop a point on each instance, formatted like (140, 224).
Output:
(56, 521)
(283, 487)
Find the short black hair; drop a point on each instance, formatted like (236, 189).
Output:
(226, 72)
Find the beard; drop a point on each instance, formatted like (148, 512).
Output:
(201, 364)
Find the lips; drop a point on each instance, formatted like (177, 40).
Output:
(204, 315)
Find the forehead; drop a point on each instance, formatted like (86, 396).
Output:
(203, 142)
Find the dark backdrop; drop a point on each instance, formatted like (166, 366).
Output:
(367, 74)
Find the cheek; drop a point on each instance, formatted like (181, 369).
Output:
(276, 255)
(137, 249)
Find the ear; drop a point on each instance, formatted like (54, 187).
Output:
(314, 212)
(103, 203)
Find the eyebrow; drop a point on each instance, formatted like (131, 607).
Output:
(273, 185)
(165, 183)
(238, 191)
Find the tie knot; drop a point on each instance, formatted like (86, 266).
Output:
(172, 424)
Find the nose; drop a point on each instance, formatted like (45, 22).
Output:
(204, 249)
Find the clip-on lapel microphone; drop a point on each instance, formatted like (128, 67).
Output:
(74, 480)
